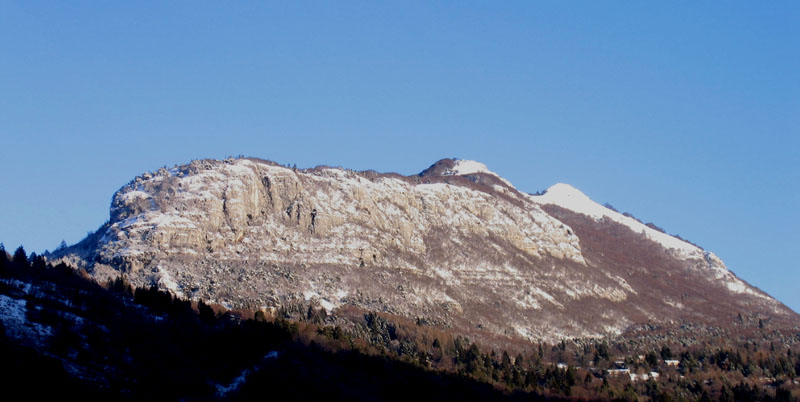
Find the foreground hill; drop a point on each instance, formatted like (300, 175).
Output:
(61, 333)
(456, 247)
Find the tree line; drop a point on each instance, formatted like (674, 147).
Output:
(114, 339)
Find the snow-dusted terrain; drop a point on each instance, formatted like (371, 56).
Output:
(568, 197)
(456, 246)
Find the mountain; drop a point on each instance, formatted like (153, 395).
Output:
(456, 246)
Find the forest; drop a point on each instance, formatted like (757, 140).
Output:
(115, 341)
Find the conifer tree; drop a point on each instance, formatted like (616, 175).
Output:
(3, 260)
(20, 259)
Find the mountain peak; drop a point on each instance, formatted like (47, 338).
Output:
(571, 198)
(458, 248)
(564, 190)
(459, 167)
(455, 167)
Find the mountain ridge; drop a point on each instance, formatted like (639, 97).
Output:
(455, 245)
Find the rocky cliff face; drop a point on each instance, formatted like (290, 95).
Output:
(456, 246)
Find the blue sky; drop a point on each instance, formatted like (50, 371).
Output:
(685, 114)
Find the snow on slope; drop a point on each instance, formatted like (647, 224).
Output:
(13, 316)
(568, 197)
(571, 198)
(464, 167)
(249, 232)
(468, 167)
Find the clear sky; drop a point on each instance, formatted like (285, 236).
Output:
(686, 114)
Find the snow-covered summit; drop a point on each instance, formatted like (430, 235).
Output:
(460, 167)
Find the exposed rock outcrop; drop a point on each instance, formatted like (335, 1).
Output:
(456, 245)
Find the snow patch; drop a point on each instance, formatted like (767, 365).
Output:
(12, 314)
(135, 194)
(234, 385)
(523, 332)
(327, 305)
(464, 167)
(223, 390)
(467, 167)
(566, 196)
(313, 295)
(165, 280)
(541, 293)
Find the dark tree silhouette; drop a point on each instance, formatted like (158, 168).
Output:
(20, 259)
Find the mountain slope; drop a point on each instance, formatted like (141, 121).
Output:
(456, 246)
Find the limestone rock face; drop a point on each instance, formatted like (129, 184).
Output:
(456, 246)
